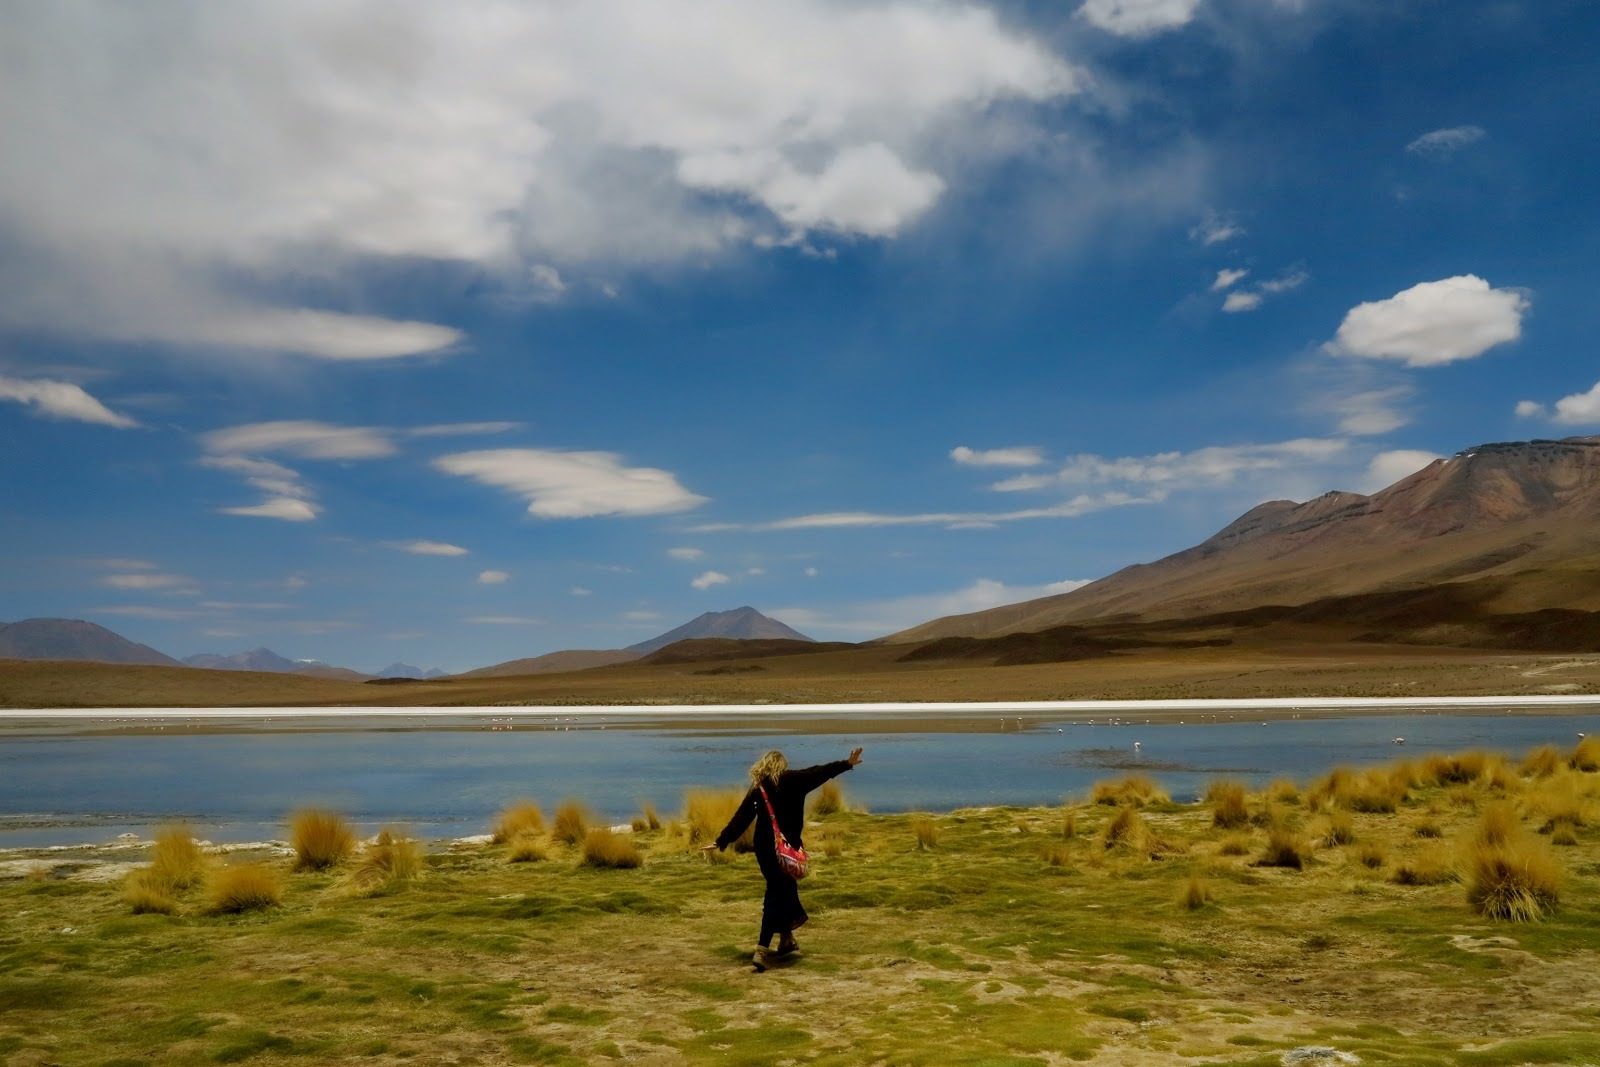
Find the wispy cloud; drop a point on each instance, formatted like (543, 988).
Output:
(1215, 228)
(427, 548)
(302, 438)
(493, 577)
(504, 620)
(877, 618)
(573, 485)
(61, 400)
(1167, 471)
(1442, 144)
(685, 554)
(145, 581)
(288, 497)
(1138, 18)
(1016, 456)
(463, 429)
(1227, 278)
(1239, 300)
(1083, 504)
(709, 579)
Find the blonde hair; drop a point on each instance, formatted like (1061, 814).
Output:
(768, 767)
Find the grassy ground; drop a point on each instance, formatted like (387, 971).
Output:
(971, 937)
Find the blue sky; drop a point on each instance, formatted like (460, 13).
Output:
(452, 334)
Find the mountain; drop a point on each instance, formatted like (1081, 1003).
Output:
(743, 624)
(264, 659)
(406, 670)
(1518, 522)
(576, 659)
(73, 639)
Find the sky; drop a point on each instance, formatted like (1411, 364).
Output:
(453, 333)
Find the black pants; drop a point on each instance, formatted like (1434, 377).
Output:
(780, 907)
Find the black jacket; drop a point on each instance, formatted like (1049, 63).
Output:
(788, 801)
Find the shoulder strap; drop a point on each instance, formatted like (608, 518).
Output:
(772, 815)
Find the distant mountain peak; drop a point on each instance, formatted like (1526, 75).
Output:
(739, 624)
(73, 639)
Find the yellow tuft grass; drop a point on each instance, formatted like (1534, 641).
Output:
(1375, 791)
(1069, 825)
(1234, 845)
(1056, 855)
(1510, 874)
(831, 843)
(525, 848)
(1372, 856)
(1128, 832)
(1285, 848)
(1341, 829)
(707, 811)
(146, 894)
(520, 817)
(1585, 756)
(1426, 868)
(1135, 790)
(1196, 893)
(605, 848)
(571, 823)
(1228, 810)
(1283, 791)
(926, 831)
(176, 860)
(1428, 828)
(1563, 835)
(1559, 803)
(1542, 762)
(646, 820)
(389, 861)
(241, 888)
(321, 839)
(827, 800)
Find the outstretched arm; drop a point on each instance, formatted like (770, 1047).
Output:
(808, 778)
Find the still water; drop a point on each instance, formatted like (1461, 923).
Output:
(90, 781)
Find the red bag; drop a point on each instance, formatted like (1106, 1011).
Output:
(793, 860)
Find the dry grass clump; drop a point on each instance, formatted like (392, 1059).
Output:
(1585, 756)
(604, 848)
(1374, 791)
(1270, 814)
(1510, 874)
(1196, 894)
(1056, 855)
(1560, 804)
(241, 888)
(1285, 848)
(827, 800)
(176, 859)
(1542, 762)
(1427, 868)
(1341, 829)
(526, 848)
(147, 894)
(926, 831)
(1564, 835)
(1128, 832)
(1283, 791)
(831, 844)
(707, 811)
(571, 823)
(647, 819)
(1372, 856)
(1069, 825)
(1428, 828)
(1234, 845)
(321, 839)
(1487, 769)
(390, 860)
(520, 818)
(1136, 790)
(1228, 810)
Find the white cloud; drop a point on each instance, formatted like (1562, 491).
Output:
(279, 143)
(503, 620)
(462, 429)
(756, 572)
(811, 572)
(686, 554)
(573, 485)
(1578, 409)
(303, 438)
(493, 577)
(1227, 278)
(147, 580)
(1215, 228)
(877, 618)
(1138, 18)
(1241, 301)
(709, 579)
(428, 548)
(1082, 504)
(61, 400)
(579, 590)
(143, 611)
(1293, 278)
(1444, 143)
(1433, 323)
(1531, 409)
(1371, 412)
(1165, 471)
(1019, 456)
(1387, 468)
(284, 508)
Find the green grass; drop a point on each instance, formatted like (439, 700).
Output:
(978, 951)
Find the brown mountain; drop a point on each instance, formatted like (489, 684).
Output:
(573, 659)
(740, 624)
(73, 639)
(1517, 523)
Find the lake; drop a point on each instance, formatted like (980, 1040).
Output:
(92, 776)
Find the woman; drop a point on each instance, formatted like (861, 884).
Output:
(781, 912)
